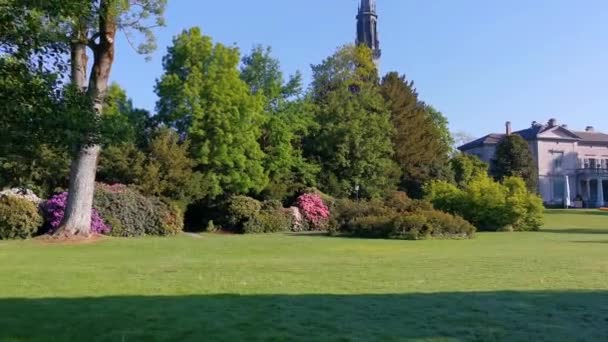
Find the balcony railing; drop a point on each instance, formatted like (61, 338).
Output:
(597, 171)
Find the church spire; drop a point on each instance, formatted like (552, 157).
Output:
(367, 27)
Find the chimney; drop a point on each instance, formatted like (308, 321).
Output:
(534, 124)
(590, 129)
(552, 122)
(509, 128)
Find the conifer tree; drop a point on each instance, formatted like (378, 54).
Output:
(514, 158)
(419, 139)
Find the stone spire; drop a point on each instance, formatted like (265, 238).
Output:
(367, 27)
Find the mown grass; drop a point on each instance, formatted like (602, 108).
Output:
(550, 286)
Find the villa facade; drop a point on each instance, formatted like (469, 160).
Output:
(569, 161)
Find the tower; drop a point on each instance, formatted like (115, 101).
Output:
(367, 27)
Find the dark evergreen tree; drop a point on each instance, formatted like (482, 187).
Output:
(514, 158)
(420, 140)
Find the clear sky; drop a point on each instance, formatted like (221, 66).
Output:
(480, 62)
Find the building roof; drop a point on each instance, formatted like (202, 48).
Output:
(592, 137)
(535, 132)
(490, 139)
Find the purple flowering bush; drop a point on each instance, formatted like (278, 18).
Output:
(54, 209)
(314, 210)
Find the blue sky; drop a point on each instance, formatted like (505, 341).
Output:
(480, 62)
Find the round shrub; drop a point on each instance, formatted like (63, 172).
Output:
(133, 214)
(314, 210)
(54, 209)
(410, 227)
(241, 209)
(273, 221)
(19, 218)
(445, 225)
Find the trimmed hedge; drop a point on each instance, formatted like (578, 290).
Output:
(131, 214)
(19, 218)
(250, 216)
(408, 220)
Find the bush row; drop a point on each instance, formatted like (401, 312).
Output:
(397, 217)
(489, 205)
(118, 210)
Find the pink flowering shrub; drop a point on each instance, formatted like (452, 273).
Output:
(314, 210)
(54, 209)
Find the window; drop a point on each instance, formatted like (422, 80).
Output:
(558, 189)
(558, 158)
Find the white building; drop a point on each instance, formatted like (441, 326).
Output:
(562, 155)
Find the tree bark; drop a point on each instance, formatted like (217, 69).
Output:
(77, 218)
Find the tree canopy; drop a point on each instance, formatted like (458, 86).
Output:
(353, 143)
(514, 159)
(202, 95)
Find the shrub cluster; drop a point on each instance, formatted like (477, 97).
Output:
(248, 215)
(314, 210)
(133, 214)
(54, 210)
(489, 205)
(397, 217)
(19, 218)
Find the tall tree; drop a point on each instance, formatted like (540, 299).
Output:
(94, 26)
(122, 122)
(514, 158)
(62, 31)
(202, 95)
(420, 140)
(287, 119)
(353, 141)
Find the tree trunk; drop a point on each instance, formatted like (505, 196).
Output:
(77, 218)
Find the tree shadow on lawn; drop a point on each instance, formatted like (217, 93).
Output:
(491, 316)
(583, 212)
(575, 231)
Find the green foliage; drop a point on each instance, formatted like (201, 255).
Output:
(268, 221)
(287, 119)
(163, 168)
(490, 205)
(466, 167)
(397, 217)
(241, 209)
(527, 207)
(250, 216)
(19, 218)
(130, 213)
(202, 95)
(352, 144)
(44, 169)
(122, 123)
(421, 138)
(514, 158)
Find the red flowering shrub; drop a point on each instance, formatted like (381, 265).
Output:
(314, 210)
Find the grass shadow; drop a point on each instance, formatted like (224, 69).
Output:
(576, 231)
(592, 241)
(584, 212)
(481, 316)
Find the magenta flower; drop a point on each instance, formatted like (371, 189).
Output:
(54, 209)
(314, 210)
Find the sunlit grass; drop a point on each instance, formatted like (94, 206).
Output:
(551, 285)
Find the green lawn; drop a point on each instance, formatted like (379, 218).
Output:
(550, 286)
